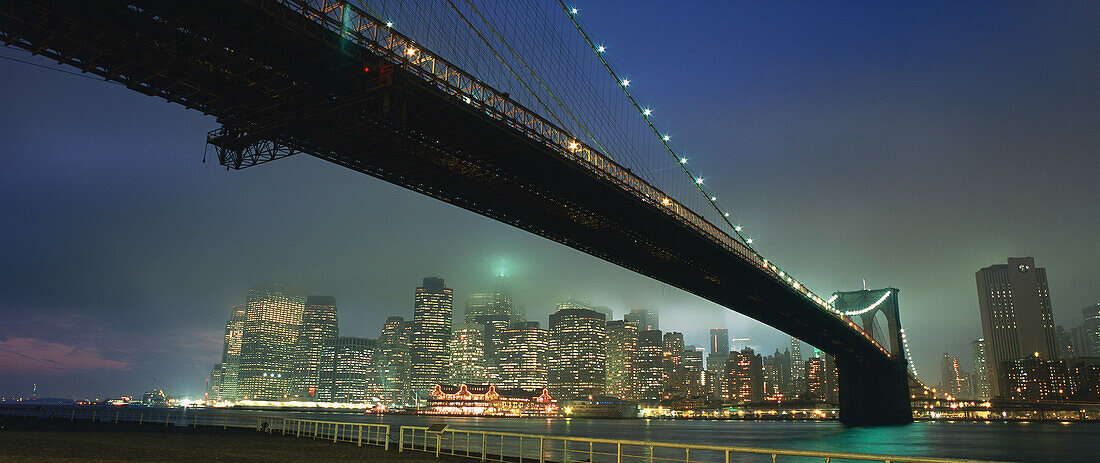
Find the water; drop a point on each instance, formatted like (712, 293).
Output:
(1016, 441)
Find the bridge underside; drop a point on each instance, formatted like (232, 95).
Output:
(276, 79)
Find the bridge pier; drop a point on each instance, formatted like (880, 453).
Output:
(873, 392)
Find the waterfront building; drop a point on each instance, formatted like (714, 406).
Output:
(719, 341)
(223, 379)
(744, 377)
(693, 367)
(1084, 376)
(523, 360)
(394, 359)
(577, 351)
(715, 383)
(645, 320)
(982, 388)
(1014, 302)
(487, 400)
(648, 366)
(347, 371)
(319, 322)
(431, 331)
(269, 342)
(622, 343)
(466, 352)
(1036, 378)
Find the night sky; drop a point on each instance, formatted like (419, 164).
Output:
(905, 144)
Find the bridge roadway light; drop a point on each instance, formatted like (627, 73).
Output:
(647, 112)
(683, 160)
(666, 138)
(601, 49)
(749, 241)
(738, 228)
(389, 24)
(573, 11)
(727, 214)
(698, 180)
(626, 82)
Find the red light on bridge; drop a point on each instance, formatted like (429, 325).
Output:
(366, 69)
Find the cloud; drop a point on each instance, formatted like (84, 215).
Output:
(38, 356)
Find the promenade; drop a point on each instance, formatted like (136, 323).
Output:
(38, 440)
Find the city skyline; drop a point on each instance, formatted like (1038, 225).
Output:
(122, 272)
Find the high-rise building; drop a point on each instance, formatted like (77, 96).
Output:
(1066, 349)
(649, 371)
(1036, 378)
(1017, 322)
(719, 341)
(816, 381)
(269, 344)
(494, 311)
(466, 352)
(1090, 331)
(777, 375)
(394, 360)
(622, 342)
(223, 379)
(576, 355)
(980, 383)
(645, 320)
(715, 383)
(347, 371)
(432, 314)
(319, 323)
(745, 377)
(953, 380)
(523, 356)
(798, 368)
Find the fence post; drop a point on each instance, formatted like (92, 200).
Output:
(542, 454)
(141, 418)
(360, 436)
(335, 431)
(484, 441)
(401, 440)
(73, 416)
(619, 452)
(438, 443)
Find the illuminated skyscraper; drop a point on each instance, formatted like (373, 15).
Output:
(394, 359)
(815, 379)
(432, 312)
(223, 379)
(577, 352)
(645, 320)
(494, 311)
(798, 368)
(622, 341)
(745, 377)
(318, 324)
(952, 378)
(982, 388)
(347, 372)
(649, 371)
(466, 353)
(1090, 331)
(777, 375)
(269, 344)
(719, 341)
(523, 354)
(1014, 302)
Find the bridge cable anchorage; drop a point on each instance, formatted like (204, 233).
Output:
(535, 75)
(646, 112)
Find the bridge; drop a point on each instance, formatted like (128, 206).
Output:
(332, 80)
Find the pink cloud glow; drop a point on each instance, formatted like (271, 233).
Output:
(33, 355)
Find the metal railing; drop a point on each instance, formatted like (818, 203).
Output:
(358, 433)
(531, 448)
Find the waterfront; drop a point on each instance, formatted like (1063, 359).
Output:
(1012, 441)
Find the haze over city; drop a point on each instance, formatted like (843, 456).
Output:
(905, 146)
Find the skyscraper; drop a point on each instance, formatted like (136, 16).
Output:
(952, 378)
(719, 341)
(432, 313)
(394, 359)
(745, 376)
(466, 353)
(645, 320)
(523, 356)
(223, 379)
(1090, 331)
(1014, 302)
(982, 388)
(622, 342)
(318, 324)
(798, 370)
(269, 342)
(494, 311)
(648, 366)
(1066, 349)
(347, 371)
(577, 352)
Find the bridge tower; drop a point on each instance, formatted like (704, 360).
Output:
(874, 390)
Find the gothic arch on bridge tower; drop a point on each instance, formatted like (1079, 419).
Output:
(865, 306)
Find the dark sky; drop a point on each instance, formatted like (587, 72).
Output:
(907, 144)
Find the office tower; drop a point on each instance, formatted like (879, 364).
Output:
(576, 355)
(798, 370)
(645, 320)
(777, 375)
(223, 379)
(693, 363)
(608, 314)
(673, 352)
(523, 356)
(1016, 316)
(394, 360)
(1065, 343)
(719, 341)
(745, 377)
(430, 335)
(269, 344)
(815, 379)
(622, 342)
(1090, 331)
(952, 379)
(347, 372)
(494, 311)
(980, 383)
(649, 366)
(318, 324)
(832, 383)
(466, 352)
